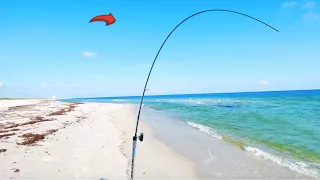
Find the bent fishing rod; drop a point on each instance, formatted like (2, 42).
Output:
(135, 137)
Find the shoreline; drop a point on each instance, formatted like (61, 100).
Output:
(94, 140)
(90, 140)
(210, 151)
(152, 155)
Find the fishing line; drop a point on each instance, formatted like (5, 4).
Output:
(146, 83)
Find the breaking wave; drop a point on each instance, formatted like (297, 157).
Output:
(298, 166)
(205, 129)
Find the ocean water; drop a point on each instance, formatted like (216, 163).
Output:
(282, 126)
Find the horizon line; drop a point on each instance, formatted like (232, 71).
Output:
(192, 94)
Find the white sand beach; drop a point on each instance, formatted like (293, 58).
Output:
(42, 139)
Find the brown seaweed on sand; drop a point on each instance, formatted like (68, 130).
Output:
(6, 135)
(63, 111)
(20, 108)
(3, 150)
(10, 130)
(35, 120)
(15, 170)
(31, 138)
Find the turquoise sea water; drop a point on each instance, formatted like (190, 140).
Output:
(282, 124)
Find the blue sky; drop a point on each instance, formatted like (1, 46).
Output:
(48, 47)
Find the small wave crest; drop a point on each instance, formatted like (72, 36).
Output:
(297, 166)
(189, 101)
(119, 100)
(205, 129)
(194, 101)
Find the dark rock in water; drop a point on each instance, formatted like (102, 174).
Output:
(227, 106)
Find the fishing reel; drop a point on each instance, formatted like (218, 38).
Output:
(140, 137)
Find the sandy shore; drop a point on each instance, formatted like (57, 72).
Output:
(43, 139)
(40, 139)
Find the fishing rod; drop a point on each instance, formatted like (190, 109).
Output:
(140, 137)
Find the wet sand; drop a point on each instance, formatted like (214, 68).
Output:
(42, 139)
(214, 157)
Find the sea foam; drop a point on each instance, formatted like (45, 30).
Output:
(205, 129)
(298, 166)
